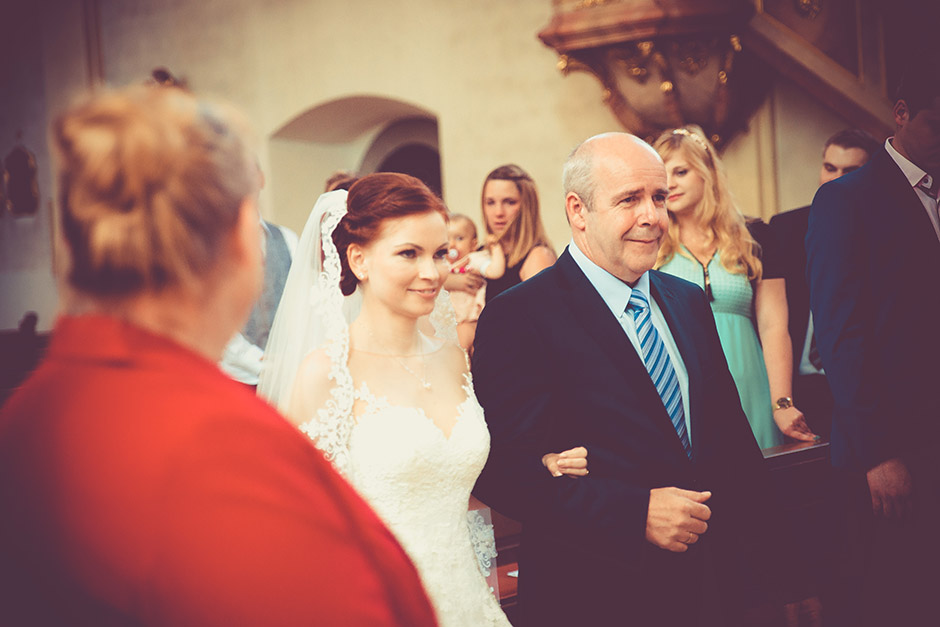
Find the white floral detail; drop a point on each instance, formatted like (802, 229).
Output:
(484, 540)
(415, 477)
(444, 318)
(331, 428)
(418, 480)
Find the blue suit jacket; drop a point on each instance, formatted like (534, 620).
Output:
(872, 262)
(553, 369)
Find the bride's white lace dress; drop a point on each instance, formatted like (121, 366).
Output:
(419, 480)
(417, 477)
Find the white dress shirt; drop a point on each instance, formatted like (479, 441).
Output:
(616, 294)
(915, 175)
(241, 360)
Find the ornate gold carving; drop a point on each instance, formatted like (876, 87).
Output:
(693, 55)
(635, 64)
(808, 8)
(656, 74)
(590, 4)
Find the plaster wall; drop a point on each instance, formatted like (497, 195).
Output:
(476, 66)
(802, 127)
(45, 52)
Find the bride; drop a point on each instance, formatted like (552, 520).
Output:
(363, 357)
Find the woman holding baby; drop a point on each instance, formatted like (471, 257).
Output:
(511, 214)
(516, 247)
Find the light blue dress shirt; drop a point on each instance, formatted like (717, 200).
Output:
(616, 294)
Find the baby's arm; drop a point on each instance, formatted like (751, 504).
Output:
(497, 265)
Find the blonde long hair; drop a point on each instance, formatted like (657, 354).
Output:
(526, 231)
(718, 214)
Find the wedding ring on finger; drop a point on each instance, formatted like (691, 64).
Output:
(691, 537)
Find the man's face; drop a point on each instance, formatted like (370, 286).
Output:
(838, 161)
(624, 228)
(920, 136)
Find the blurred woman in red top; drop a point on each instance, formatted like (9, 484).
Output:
(138, 484)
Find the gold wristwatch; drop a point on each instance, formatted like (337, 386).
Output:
(783, 402)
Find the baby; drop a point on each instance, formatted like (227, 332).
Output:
(490, 262)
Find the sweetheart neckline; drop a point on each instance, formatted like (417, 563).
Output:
(377, 402)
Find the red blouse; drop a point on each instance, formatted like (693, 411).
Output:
(139, 485)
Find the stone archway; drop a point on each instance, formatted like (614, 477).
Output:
(354, 133)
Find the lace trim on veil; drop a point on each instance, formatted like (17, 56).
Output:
(314, 315)
(331, 429)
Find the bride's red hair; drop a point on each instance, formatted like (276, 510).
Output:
(372, 200)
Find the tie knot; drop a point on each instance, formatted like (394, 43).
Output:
(929, 185)
(638, 301)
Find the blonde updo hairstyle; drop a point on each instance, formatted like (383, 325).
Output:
(717, 213)
(151, 181)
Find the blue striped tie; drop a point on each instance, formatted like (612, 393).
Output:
(659, 366)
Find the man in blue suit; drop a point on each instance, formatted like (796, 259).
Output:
(873, 264)
(602, 351)
(844, 152)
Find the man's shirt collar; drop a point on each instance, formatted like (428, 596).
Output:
(616, 293)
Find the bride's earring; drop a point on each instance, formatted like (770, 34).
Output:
(356, 262)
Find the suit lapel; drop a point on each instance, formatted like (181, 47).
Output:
(901, 205)
(604, 329)
(597, 321)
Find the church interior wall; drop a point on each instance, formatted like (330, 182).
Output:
(475, 65)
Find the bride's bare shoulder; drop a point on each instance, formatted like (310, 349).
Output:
(315, 367)
(453, 356)
(310, 388)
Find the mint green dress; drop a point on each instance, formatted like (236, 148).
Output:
(733, 296)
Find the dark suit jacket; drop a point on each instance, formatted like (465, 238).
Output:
(873, 258)
(140, 486)
(553, 369)
(790, 230)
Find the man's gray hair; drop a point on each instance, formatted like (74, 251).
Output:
(578, 174)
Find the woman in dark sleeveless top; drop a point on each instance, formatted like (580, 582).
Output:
(511, 212)
(509, 279)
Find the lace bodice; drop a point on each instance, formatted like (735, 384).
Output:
(419, 482)
(417, 479)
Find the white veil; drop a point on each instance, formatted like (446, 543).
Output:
(314, 315)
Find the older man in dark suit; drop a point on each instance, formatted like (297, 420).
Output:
(600, 350)
(873, 250)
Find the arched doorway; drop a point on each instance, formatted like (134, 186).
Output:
(360, 134)
(418, 161)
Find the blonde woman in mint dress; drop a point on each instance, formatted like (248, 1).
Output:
(710, 244)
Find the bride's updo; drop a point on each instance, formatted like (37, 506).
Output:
(372, 200)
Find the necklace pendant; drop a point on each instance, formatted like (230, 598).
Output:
(426, 385)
